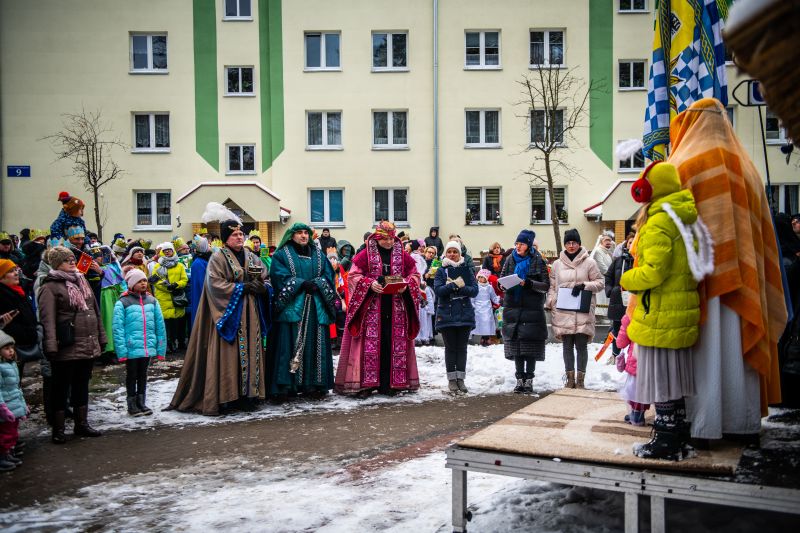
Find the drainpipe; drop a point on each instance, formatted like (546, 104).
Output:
(435, 112)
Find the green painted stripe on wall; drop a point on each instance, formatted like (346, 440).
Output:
(601, 72)
(206, 121)
(270, 44)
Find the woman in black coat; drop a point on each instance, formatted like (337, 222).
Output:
(455, 286)
(616, 307)
(524, 322)
(17, 317)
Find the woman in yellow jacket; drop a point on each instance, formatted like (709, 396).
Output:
(665, 320)
(169, 276)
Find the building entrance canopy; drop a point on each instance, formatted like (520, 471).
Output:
(249, 199)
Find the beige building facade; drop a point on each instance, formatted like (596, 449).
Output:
(333, 113)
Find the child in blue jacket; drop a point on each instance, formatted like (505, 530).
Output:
(139, 334)
(12, 405)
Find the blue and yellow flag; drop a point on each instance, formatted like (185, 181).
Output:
(688, 63)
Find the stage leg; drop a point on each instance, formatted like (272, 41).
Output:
(459, 501)
(631, 512)
(657, 517)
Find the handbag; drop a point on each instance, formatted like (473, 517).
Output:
(180, 298)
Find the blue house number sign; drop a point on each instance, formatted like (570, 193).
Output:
(19, 171)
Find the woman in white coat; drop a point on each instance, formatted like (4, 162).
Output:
(483, 303)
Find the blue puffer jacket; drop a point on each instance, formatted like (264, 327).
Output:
(139, 327)
(454, 305)
(10, 393)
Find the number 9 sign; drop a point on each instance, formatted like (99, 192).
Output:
(23, 171)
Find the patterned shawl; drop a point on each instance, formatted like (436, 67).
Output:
(731, 200)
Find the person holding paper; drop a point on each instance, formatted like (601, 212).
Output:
(575, 270)
(524, 323)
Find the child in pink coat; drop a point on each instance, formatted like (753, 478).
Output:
(626, 362)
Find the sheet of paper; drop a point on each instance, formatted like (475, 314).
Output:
(567, 301)
(509, 281)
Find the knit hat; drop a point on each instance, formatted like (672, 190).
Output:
(484, 272)
(134, 276)
(452, 244)
(6, 266)
(132, 251)
(572, 235)
(166, 246)
(5, 339)
(526, 236)
(227, 227)
(201, 244)
(58, 255)
(72, 204)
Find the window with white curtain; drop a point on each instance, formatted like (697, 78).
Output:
(482, 128)
(784, 198)
(391, 205)
(153, 210)
(389, 129)
(482, 49)
(241, 159)
(238, 10)
(546, 126)
(326, 206)
(541, 210)
(324, 130)
(322, 51)
(148, 53)
(389, 51)
(151, 132)
(547, 48)
(483, 205)
(239, 81)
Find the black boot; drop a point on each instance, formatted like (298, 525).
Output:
(520, 388)
(527, 384)
(683, 428)
(666, 442)
(82, 427)
(146, 411)
(133, 409)
(58, 436)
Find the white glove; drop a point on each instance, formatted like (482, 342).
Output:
(459, 282)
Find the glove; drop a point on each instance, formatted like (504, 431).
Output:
(255, 287)
(309, 286)
(621, 363)
(5, 414)
(153, 279)
(459, 282)
(172, 286)
(576, 290)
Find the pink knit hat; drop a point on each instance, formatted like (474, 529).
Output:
(134, 276)
(483, 272)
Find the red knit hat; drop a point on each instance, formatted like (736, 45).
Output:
(72, 204)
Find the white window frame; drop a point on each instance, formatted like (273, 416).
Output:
(152, 127)
(563, 142)
(547, 218)
(149, 69)
(239, 68)
(483, 221)
(632, 161)
(630, 63)
(546, 63)
(632, 9)
(782, 195)
(482, 53)
(482, 126)
(241, 146)
(237, 18)
(153, 207)
(389, 51)
(391, 190)
(782, 136)
(325, 145)
(327, 207)
(390, 130)
(322, 49)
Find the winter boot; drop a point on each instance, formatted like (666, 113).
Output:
(58, 436)
(461, 386)
(684, 429)
(636, 418)
(579, 380)
(19, 449)
(520, 383)
(570, 380)
(146, 411)
(452, 386)
(527, 385)
(133, 409)
(6, 466)
(11, 459)
(82, 427)
(666, 443)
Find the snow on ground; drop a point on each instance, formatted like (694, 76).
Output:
(488, 372)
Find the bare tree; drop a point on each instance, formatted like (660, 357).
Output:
(556, 103)
(87, 142)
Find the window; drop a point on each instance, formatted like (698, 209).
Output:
(324, 130)
(322, 51)
(784, 199)
(151, 132)
(632, 6)
(547, 127)
(547, 48)
(389, 51)
(635, 163)
(241, 159)
(326, 206)
(482, 49)
(148, 53)
(730, 112)
(776, 133)
(631, 75)
(239, 81)
(482, 128)
(238, 10)
(391, 205)
(540, 205)
(390, 129)
(483, 205)
(153, 210)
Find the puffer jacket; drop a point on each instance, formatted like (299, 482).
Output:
(176, 274)
(139, 327)
(523, 306)
(23, 327)
(54, 307)
(568, 273)
(10, 393)
(667, 310)
(622, 263)
(454, 305)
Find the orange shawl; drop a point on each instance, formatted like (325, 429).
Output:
(732, 202)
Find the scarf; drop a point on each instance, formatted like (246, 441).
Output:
(523, 264)
(497, 262)
(448, 263)
(165, 264)
(18, 289)
(77, 288)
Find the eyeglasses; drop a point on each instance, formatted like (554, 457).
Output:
(70, 260)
